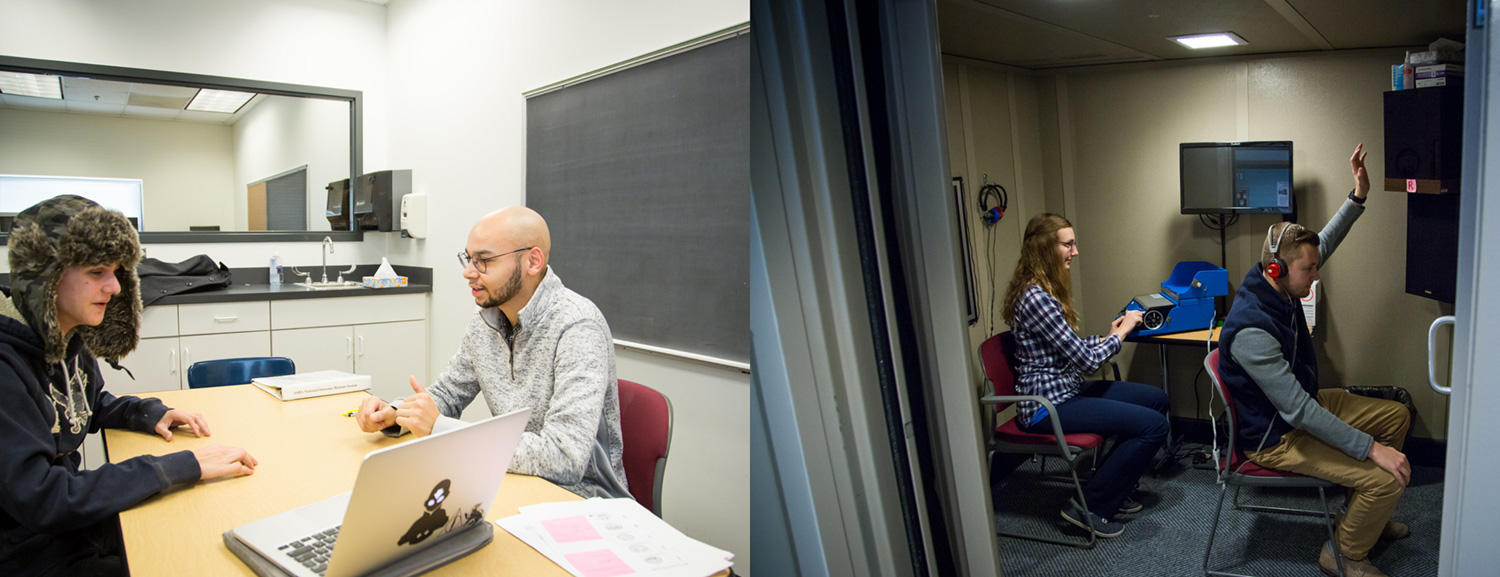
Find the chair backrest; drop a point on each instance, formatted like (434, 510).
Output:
(646, 428)
(998, 354)
(224, 372)
(1211, 363)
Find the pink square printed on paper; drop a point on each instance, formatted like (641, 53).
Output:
(599, 563)
(570, 529)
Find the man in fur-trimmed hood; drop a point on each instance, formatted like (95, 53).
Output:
(72, 231)
(73, 299)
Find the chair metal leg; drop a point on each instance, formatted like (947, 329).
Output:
(1085, 544)
(1338, 555)
(1325, 514)
(1283, 510)
(1213, 530)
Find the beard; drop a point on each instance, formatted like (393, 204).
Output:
(506, 292)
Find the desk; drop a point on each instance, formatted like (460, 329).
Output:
(308, 452)
(1190, 338)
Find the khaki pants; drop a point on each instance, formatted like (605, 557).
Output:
(1374, 491)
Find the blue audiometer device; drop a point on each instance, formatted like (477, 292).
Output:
(1186, 300)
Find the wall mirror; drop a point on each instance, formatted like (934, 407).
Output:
(188, 158)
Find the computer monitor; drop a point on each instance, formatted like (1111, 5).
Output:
(1236, 177)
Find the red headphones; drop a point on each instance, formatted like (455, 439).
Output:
(992, 213)
(1278, 267)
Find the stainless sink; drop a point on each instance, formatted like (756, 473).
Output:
(331, 285)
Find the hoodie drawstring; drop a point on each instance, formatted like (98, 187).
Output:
(74, 401)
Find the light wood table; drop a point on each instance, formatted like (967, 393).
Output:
(308, 451)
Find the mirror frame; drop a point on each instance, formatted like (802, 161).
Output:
(116, 73)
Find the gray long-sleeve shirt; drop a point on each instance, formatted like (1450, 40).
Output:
(1261, 356)
(559, 360)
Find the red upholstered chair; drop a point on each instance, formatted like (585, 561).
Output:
(1238, 471)
(646, 425)
(997, 353)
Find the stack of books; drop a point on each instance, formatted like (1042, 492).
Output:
(1439, 75)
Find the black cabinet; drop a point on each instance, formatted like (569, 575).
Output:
(1424, 139)
(1423, 152)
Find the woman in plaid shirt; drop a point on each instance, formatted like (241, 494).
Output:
(1051, 360)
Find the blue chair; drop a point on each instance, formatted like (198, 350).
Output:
(224, 372)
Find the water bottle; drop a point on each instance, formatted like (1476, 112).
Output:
(275, 272)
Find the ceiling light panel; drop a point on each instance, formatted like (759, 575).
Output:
(221, 101)
(35, 85)
(1216, 40)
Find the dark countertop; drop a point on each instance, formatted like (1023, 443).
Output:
(265, 292)
(250, 284)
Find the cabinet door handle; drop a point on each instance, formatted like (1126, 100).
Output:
(172, 361)
(187, 357)
(361, 346)
(349, 346)
(228, 319)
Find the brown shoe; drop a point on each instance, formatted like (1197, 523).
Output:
(1352, 568)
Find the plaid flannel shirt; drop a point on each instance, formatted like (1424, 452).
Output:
(1051, 358)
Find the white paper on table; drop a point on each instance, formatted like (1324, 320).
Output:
(607, 537)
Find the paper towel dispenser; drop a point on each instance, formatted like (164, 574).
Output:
(377, 199)
(338, 204)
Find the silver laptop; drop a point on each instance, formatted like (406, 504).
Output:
(406, 498)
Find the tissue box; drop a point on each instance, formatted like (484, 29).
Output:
(373, 282)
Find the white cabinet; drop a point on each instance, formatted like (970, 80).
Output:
(319, 349)
(392, 353)
(383, 336)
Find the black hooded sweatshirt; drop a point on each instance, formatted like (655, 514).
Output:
(50, 510)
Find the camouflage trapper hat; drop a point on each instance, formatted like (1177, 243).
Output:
(69, 231)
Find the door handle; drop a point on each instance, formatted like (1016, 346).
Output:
(172, 361)
(361, 346)
(228, 319)
(1432, 351)
(348, 346)
(187, 357)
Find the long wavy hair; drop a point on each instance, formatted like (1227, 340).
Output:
(1040, 265)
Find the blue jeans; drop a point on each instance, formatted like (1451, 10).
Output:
(1133, 413)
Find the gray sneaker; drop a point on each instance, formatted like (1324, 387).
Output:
(1091, 522)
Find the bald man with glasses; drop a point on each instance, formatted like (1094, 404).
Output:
(532, 344)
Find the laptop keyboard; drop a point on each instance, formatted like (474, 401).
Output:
(313, 550)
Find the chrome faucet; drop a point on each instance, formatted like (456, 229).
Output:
(328, 244)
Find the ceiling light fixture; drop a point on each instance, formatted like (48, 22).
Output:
(223, 101)
(1216, 40)
(37, 85)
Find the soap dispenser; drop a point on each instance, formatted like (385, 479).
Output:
(275, 273)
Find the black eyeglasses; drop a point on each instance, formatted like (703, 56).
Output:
(482, 263)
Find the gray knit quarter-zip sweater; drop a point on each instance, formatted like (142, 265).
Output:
(560, 362)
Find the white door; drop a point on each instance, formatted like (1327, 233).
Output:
(391, 353)
(320, 349)
(1469, 503)
(155, 364)
(226, 346)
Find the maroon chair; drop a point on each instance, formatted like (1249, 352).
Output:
(646, 428)
(1237, 470)
(997, 354)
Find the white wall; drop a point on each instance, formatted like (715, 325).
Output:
(176, 161)
(329, 43)
(283, 133)
(469, 157)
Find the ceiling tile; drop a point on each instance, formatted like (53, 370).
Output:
(1384, 23)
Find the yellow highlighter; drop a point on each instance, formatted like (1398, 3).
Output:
(350, 412)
